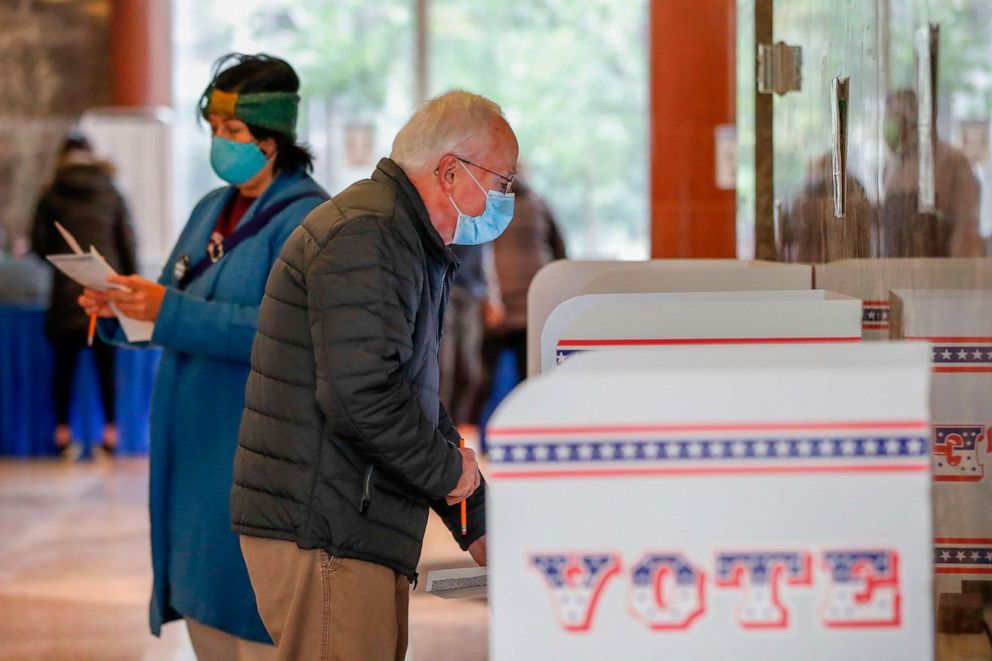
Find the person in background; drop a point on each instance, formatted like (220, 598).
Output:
(808, 229)
(344, 442)
(532, 241)
(205, 309)
(473, 285)
(952, 231)
(83, 199)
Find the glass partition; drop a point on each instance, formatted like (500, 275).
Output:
(910, 235)
(878, 46)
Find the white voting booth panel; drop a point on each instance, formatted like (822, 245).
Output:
(759, 502)
(958, 324)
(872, 279)
(605, 322)
(138, 141)
(565, 279)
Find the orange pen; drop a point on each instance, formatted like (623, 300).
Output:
(92, 331)
(461, 444)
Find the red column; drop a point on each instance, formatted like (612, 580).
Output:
(692, 92)
(140, 53)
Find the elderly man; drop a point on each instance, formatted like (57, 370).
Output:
(344, 443)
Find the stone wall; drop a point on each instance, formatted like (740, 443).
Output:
(55, 57)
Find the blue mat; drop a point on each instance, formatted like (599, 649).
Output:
(27, 414)
(505, 379)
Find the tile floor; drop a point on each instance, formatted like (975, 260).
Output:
(75, 575)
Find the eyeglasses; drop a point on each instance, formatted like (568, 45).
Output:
(508, 180)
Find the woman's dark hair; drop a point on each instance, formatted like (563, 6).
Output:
(264, 73)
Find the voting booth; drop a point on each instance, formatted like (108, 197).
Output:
(871, 280)
(745, 502)
(611, 322)
(958, 326)
(564, 279)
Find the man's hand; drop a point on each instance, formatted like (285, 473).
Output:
(477, 550)
(95, 302)
(468, 482)
(144, 299)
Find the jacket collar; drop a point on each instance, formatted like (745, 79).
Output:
(390, 173)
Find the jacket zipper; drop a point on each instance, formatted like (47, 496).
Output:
(441, 307)
(366, 492)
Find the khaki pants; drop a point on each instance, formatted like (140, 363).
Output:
(327, 608)
(211, 644)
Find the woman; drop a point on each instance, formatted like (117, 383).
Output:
(204, 307)
(82, 197)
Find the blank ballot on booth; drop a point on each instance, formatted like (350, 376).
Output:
(745, 502)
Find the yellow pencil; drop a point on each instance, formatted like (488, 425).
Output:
(92, 331)
(461, 444)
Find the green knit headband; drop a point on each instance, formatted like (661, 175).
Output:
(275, 111)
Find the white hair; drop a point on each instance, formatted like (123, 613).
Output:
(443, 125)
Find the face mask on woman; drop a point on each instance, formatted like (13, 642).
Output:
(236, 162)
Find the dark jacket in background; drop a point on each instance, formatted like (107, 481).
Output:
(344, 443)
(810, 233)
(471, 274)
(530, 242)
(85, 201)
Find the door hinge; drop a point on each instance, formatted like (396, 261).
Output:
(780, 68)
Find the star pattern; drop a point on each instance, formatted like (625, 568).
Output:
(561, 355)
(874, 315)
(978, 556)
(958, 354)
(704, 450)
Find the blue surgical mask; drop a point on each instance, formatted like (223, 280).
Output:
(472, 230)
(236, 162)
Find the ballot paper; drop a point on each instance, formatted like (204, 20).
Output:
(69, 238)
(91, 270)
(458, 583)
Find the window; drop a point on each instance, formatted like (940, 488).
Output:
(572, 82)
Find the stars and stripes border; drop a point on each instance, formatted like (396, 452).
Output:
(959, 354)
(875, 315)
(708, 450)
(713, 448)
(962, 555)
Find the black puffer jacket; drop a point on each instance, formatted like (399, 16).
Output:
(84, 200)
(344, 443)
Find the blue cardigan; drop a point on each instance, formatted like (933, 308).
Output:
(206, 332)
